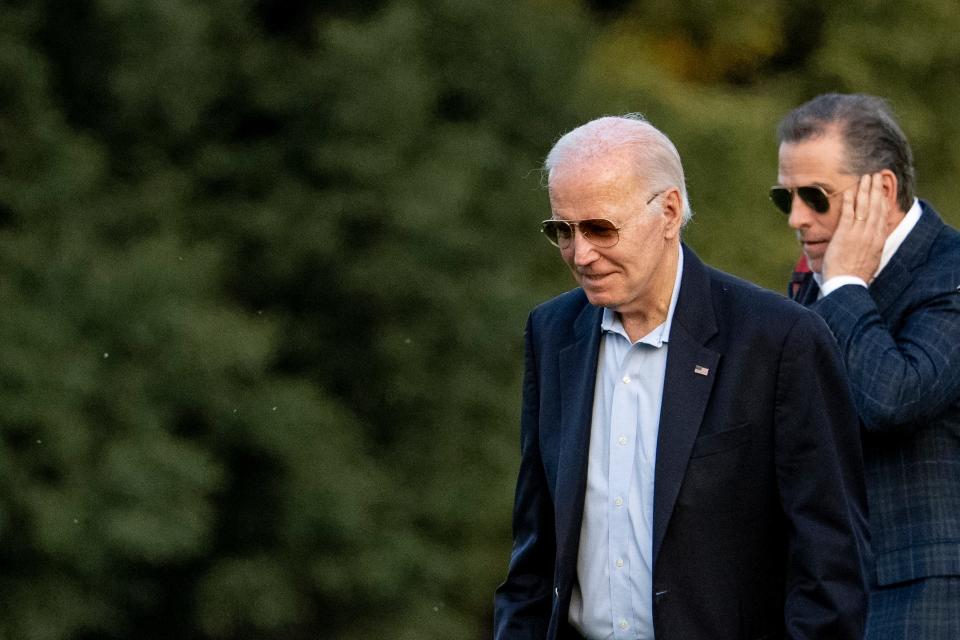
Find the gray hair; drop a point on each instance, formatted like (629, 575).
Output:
(655, 157)
(872, 139)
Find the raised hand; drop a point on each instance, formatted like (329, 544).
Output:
(857, 242)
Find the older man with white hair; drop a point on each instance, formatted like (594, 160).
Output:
(690, 463)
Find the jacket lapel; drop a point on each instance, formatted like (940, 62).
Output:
(897, 274)
(808, 290)
(688, 380)
(578, 371)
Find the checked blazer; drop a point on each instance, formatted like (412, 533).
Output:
(900, 340)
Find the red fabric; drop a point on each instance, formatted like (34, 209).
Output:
(799, 272)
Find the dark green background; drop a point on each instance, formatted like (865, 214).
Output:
(265, 266)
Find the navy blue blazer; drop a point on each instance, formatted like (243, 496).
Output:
(900, 340)
(759, 504)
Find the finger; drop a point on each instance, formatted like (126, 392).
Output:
(862, 208)
(878, 205)
(846, 210)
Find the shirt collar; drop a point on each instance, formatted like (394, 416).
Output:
(899, 234)
(660, 334)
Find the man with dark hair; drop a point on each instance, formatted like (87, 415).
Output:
(674, 478)
(885, 275)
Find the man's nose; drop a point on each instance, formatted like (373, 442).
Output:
(801, 214)
(584, 251)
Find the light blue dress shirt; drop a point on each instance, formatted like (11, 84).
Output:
(612, 597)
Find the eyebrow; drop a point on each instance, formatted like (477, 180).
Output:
(823, 185)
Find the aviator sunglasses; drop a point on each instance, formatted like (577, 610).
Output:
(599, 232)
(814, 196)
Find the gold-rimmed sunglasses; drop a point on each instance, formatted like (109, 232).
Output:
(814, 196)
(599, 232)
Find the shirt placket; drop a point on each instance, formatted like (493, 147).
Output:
(623, 437)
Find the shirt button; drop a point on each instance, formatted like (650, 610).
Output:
(623, 624)
(622, 440)
(626, 379)
(618, 501)
(619, 562)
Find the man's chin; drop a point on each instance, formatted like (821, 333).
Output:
(814, 262)
(599, 299)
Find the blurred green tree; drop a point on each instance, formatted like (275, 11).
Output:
(265, 291)
(717, 77)
(264, 267)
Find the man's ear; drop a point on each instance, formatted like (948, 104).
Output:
(890, 184)
(673, 213)
(889, 187)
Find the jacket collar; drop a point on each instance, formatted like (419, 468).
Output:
(912, 253)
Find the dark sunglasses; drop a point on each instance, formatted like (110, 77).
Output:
(815, 197)
(599, 232)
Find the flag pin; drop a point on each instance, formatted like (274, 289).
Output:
(701, 370)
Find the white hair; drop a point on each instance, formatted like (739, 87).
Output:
(655, 158)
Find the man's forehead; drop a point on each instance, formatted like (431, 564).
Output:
(830, 141)
(575, 193)
(607, 173)
(818, 160)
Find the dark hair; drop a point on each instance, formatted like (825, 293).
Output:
(872, 138)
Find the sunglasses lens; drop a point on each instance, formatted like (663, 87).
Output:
(815, 198)
(600, 232)
(557, 231)
(782, 199)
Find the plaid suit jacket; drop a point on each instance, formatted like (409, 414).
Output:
(900, 340)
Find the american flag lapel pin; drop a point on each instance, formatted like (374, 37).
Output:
(701, 370)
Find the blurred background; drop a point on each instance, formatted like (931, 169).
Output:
(265, 267)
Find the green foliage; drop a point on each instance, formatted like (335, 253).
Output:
(717, 80)
(247, 392)
(264, 269)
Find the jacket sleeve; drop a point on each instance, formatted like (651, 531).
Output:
(901, 379)
(522, 604)
(819, 468)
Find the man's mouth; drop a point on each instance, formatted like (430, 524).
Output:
(593, 277)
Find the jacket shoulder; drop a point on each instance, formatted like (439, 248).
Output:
(945, 250)
(939, 268)
(746, 306)
(730, 290)
(562, 310)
